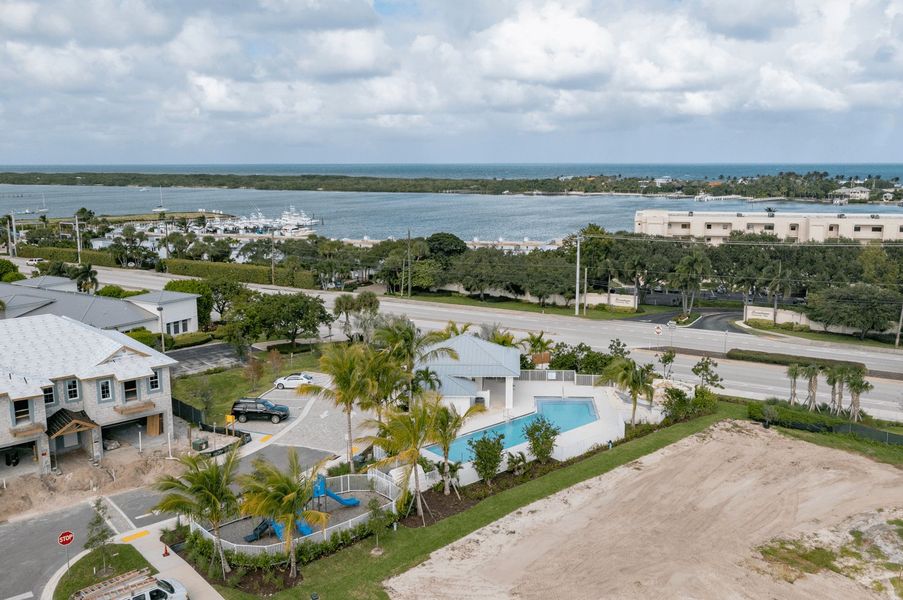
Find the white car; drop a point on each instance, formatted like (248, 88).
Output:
(32, 262)
(292, 381)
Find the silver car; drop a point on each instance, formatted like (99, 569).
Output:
(292, 381)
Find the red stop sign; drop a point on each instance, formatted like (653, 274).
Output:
(66, 538)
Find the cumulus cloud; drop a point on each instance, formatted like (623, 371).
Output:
(234, 80)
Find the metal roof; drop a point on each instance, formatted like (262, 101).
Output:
(44, 281)
(36, 350)
(97, 311)
(476, 358)
(163, 297)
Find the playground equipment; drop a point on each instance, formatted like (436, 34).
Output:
(320, 490)
(258, 531)
(300, 524)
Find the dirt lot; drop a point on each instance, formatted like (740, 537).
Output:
(122, 469)
(683, 522)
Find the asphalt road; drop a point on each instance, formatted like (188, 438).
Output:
(567, 329)
(202, 358)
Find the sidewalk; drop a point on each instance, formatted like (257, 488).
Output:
(147, 542)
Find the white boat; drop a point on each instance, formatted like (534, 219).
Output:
(159, 208)
(702, 197)
(294, 218)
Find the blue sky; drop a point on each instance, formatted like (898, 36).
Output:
(132, 81)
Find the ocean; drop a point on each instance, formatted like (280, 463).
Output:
(354, 215)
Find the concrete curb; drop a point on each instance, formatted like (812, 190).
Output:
(50, 586)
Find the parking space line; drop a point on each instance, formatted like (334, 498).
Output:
(24, 596)
(135, 536)
(146, 515)
(266, 438)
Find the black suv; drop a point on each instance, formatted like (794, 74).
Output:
(258, 408)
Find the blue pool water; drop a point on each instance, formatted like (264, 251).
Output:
(566, 413)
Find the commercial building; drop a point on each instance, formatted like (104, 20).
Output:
(48, 296)
(63, 383)
(715, 227)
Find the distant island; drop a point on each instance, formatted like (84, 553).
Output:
(813, 185)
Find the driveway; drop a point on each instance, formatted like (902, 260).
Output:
(203, 358)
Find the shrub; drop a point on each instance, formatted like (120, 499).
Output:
(7, 266)
(787, 359)
(12, 276)
(110, 291)
(186, 340)
(795, 418)
(98, 258)
(149, 338)
(487, 455)
(541, 435)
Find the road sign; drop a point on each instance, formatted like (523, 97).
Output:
(65, 538)
(658, 330)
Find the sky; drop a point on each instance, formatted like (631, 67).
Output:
(322, 81)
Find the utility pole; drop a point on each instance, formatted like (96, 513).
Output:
(577, 285)
(899, 327)
(9, 237)
(585, 288)
(78, 240)
(273, 257)
(410, 264)
(14, 244)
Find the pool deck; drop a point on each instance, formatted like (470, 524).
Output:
(612, 408)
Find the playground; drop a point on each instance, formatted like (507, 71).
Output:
(345, 498)
(683, 522)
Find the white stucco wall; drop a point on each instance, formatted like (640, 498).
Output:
(172, 311)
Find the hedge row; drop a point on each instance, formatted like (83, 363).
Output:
(70, 255)
(789, 359)
(240, 272)
(186, 340)
(793, 418)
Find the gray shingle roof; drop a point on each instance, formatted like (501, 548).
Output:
(97, 311)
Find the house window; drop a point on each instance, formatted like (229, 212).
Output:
(130, 390)
(857, 228)
(154, 381)
(684, 225)
(877, 228)
(72, 389)
(793, 226)
(106, 390)
(769, 227)
(749, 227)
(832, 227)
(708, 225)
(21, 412)
(49, 397)
(184, 325)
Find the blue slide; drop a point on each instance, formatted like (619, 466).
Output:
(301, 524)
(320, 490)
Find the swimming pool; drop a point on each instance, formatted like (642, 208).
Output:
(566, 413)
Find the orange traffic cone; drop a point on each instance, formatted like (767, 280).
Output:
(165, 550)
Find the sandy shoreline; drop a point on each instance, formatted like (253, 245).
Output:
(680, 523)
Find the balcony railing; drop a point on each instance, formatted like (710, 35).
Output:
(131, 408)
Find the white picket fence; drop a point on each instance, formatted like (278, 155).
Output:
(371, 481)
(564, 376)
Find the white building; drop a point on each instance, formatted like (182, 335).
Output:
(716, 227)
(64, 382)
(31, 297)
(483, 372)
(852, 193)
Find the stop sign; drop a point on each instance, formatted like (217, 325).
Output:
(66, 538)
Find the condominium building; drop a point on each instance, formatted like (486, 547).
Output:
(65, 383)
(715, 227)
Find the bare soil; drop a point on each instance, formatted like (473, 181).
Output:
(684, 522)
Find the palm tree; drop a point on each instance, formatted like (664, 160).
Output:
(203, 492)
(629, 377)
(858, 385)
(452, 329)
(794, 371)
(386, 379)
(347, 366)
(403, 436)
(495, 334)
(691, 271)
(283, 496)
(345, 305)
(778, 282)
(425, 379)
(536, 343)
(86, 278)
(409, 346)
(448, 424)
(811, 373)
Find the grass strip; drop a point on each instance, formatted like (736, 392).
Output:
(123, 558)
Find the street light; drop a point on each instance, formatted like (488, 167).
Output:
(162, 337)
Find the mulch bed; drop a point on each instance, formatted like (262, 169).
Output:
(258, 582)
(442, 507)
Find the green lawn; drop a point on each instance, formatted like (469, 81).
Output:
(353, 573)
(602, 315)
(886, 453)
(228, 386)
(822, 336)
(81, 573)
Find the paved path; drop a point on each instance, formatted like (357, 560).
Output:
(202, 358)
